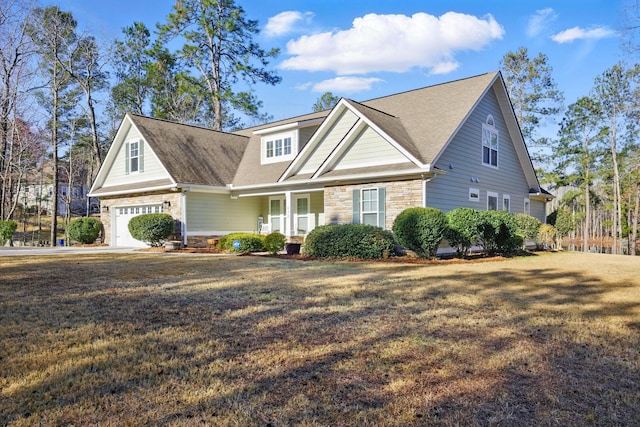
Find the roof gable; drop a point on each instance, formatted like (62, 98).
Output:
(348, 128)
(186, 154)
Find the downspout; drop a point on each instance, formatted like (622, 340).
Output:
(425, 181)
(183, 214)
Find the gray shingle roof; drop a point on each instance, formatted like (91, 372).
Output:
(193, 155)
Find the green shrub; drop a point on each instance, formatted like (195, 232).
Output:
(7, 228)
(249, 242)
(527, 226)
(463, 231)
(360, 241)
(421, 230)
(274, 242)
(498, 233)
(547, 235)
(84, 230)
(152, 228)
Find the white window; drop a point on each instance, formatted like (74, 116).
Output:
(506, 203)
(277, 214)
(474, 194)
(301, 216)
(489, 143)
(492, 201)
(134, 154)
(527, 206)
(369, 211)
(279, 147)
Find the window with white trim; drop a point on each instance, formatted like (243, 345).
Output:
(369, 206)
(506, 202)
(489, 143)
(527, 206)
(492, 201)
(277, 214)
(474, 195)
(134, 157)
(301, 215)
(279, 147)
(369, 210)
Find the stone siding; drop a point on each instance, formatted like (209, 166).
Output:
(111, 203)
(399, 195)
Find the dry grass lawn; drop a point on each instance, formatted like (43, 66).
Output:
(156, 339)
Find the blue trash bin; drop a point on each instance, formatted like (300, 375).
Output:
(61, 242)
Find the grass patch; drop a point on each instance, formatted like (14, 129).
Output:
(147, 339)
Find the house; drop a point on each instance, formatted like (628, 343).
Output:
(35, 192)
(445, 146)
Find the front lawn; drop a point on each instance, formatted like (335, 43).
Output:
(156, 339)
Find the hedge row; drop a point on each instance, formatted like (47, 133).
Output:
(421, 230)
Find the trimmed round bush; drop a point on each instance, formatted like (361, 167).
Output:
(463, 231)
(248, 242)
(421, 230)
(274, 242)
(359, 241)
(527, 226)
(153, 228)
(7, 228)
(498, 233)
(84, 230)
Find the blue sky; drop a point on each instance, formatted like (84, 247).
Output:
(365, 49)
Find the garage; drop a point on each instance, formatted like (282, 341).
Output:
(122, 217)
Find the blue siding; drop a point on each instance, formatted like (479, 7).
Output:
(462, 162)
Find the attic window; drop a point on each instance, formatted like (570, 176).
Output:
(134, 157)
(279, 147)
(489, 143)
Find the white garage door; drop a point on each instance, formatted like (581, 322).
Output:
(123, 215)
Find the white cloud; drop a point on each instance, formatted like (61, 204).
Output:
(284, 22)
(345, 84)
(577, 33)
(539, 21)
(394, 43)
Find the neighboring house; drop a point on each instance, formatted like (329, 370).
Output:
(445, 146)
(36, 192)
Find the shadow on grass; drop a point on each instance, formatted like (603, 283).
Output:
(149, 340)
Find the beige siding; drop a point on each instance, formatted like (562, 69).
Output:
(329, 142)
(370, 149)
(153, 169)
(316, 203)
(220, 213)
(304, 135)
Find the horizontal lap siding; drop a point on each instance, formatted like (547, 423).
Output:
(331, 139)
(464, 153)
(153, 169)
(370, 149)
(219, 212)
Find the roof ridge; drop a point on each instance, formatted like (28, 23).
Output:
(429, 86)
(371, 108)
(184, 124)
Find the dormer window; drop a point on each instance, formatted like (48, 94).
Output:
(279, 147)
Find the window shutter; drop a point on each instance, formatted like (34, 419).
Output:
(381, 207)
(141, 156)
(126, 158)
(356, 207)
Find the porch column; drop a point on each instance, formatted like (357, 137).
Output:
(289, 213)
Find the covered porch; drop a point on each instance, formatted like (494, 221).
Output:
(292, 213)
